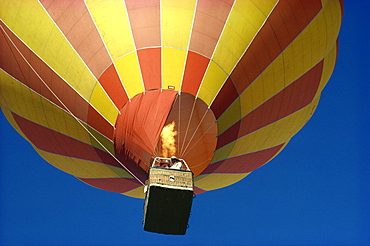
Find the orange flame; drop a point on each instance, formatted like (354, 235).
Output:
(168, 140)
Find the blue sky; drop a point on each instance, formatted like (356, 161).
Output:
(316, 192)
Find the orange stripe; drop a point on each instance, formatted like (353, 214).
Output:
(196, 66)
(150, 65)
(111, 83)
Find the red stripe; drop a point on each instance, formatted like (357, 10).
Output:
(150, 65)
(291, 99)
(54, 142)
(198, 190)
(119, 185)
(196, 66)
(13, 63)
(100, 124)
(341, 2)
(224, 98)
(244, 163)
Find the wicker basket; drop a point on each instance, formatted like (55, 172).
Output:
(181, 179)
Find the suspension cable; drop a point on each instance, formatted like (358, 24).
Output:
(179, 122)
(186, 151)
(196, 129)
(187, 127)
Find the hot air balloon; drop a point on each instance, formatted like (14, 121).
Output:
(92, 84)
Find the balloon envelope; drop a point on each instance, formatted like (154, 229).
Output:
(92, 84)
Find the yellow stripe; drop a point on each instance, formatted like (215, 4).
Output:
(269, 83)
(212, 82)
(137, 193)
(216, 181)
(176, 22)
(96, 136)
(312, 45)
(9, 93)
(173, 62)
(114, 26)
(329, 64)
(230, 116)
(103, 104)
(272, 135)
(24, 102)
(82, 168)
(242, 25)
(129, 71)
(8, 115)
